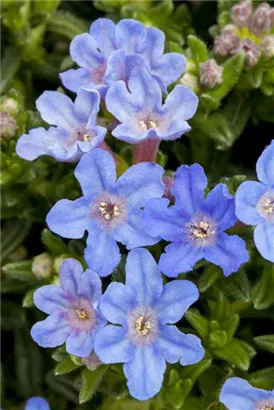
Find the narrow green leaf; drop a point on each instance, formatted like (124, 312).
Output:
(9, 67)
(19, 271)
(262, 292)
(91, 380)
(12, 236)
(66, 24)
(237, 352)
(198, 49)
(54, 243)
(263, 379)
(28, 299)
(208, 278)
(65, 366)
(265, 342)
(199, 322)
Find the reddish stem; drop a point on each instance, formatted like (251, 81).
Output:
(146, 150)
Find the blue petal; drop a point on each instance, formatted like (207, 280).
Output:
(179, 257)
(90, 286)
(50, 298)
(229, 253)
(37, 403)
(86, 106)
(221, 206)
(96, 172)
(169, 68)
(103, 31)
(102, 253)
(57, 109)
(84, 51)
(115, 70)
(75, 79)
(132, 233)
(159, 220)
(177, 346)
(129, 134)
(176, 298)
(175, 130)
(130, 35)
(264, 240)
(140, 183)
(96, 141)
(69, 219)
(36, 143)
(116, 302)
(181, 103)
(154, 46)
(80, 343)
(145, 372)
(112, 345)
(265, 166)
(143, 277)
(188, 188)
(247, 196)
(51, 332)
(70, 276)
(238, 394)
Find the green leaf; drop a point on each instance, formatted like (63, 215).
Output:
(91, 380)
(208, 278)
(265, 342)
(20, 271)
(28, 299)
(9, 67)
(119, 273)
(65, 366)
(54, 243)
(237, 352)
(198, 49)
(12, 236)
(263, 379)
(199, 322)
(262, 293)
(66, 24)
(237, 286)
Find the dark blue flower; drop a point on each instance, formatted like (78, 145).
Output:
(37, 403)
(195, 225)
(238, 394)
(110, 210)
(72, 309)
(146, 338)
(139, 108)
(108, 54)
(255, 203)
(75, 128)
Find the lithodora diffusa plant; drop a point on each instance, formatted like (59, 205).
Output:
(137, 239)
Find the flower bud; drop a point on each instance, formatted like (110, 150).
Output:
(241, 13)
(210, 74)
(260, 20)
(252, 52)
(8, 125)
(190, 80)
(92, 361)
(168, 181)
(42, 265)
(227, 43)
(267, 46)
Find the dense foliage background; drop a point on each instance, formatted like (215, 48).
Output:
(234, 316)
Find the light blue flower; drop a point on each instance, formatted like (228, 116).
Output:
(255, 203)
(138, 106)
(74, 132)
(108, 53)
(238, 394)
(72, 309)
(145, 312)
(110, 210)
(195, 225)
(37, 403)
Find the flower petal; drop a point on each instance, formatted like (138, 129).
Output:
(221, 206)
(102, 253)
(175, 130)
(265, 166)
(86, 106)
(175, 299)
(103, 31)
(130, 34)
(181, 103)
(188, 188)
(90, 286)
(37, 403)
(143, 277)
(229, 253)
(128, 133)
(80, 343)
(179, 257)
(140, 183)
(36, 143)
(116, 302)
(154, 45)
(169, 68)
(247, 196)
(70, 276)
(176, 346)
(145, 372)
(84, 51)
(264, 240)
(51, 332)
(50, 298)
(69, 219)
(75, 79)
(112, 345)
(96, 172)
(115, 70)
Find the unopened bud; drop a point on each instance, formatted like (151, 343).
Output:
(267, 46)
(168, 181)
(42, 265)
(260, 20)
(8, 125)
(10, 105)
(227, 43)
(92, 361)
(252, 52)
(241, 13)
(190, 80)
(210, 74)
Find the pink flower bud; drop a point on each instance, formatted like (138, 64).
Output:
(260, 20)
(8, 125)
(227, 43)
(241, 13)
(168, 181)
(210, 74)
(267, 46)
(252, 52)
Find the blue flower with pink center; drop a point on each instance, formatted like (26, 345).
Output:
(142, 334)
(73, 312)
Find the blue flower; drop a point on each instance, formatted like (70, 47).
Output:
(146, 337)
(195, 225)
(139, 108)
(255, 203)
(37, 403)
(108, 54)
(74, 133)
(109, 210)
(72, 309)
(238, 394)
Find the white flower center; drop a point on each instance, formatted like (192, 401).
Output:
(81, 314)
(201, 230)
(265, 205)
(267, 404)
(148, 124)
(142, 325)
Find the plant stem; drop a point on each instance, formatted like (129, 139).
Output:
(146, 150)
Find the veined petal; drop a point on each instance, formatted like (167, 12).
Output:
(50, 298)
(113, 346)
(247, 196)
(130, 34)
(265, 166)
(181, 103)
(36, 143)
(70, 276)
(103, 31)
(90, 286)
(84, 51)
(86, 106)
(169, 68)
(51, 332)
(74, 79)
(115, 69)
(80, 343)
(264, 240)
(154, 45)
(129, 134)
(37, 403)
(221, 206)
(176, 129)
(116, 302)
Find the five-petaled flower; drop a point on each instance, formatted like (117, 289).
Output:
(238, 394)
(75, 129)
(140, 109)
(195, 225)
(72, 308)
(110, 210)
(108, 53)
(146, 338)
(255, 203)
(37, 403)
